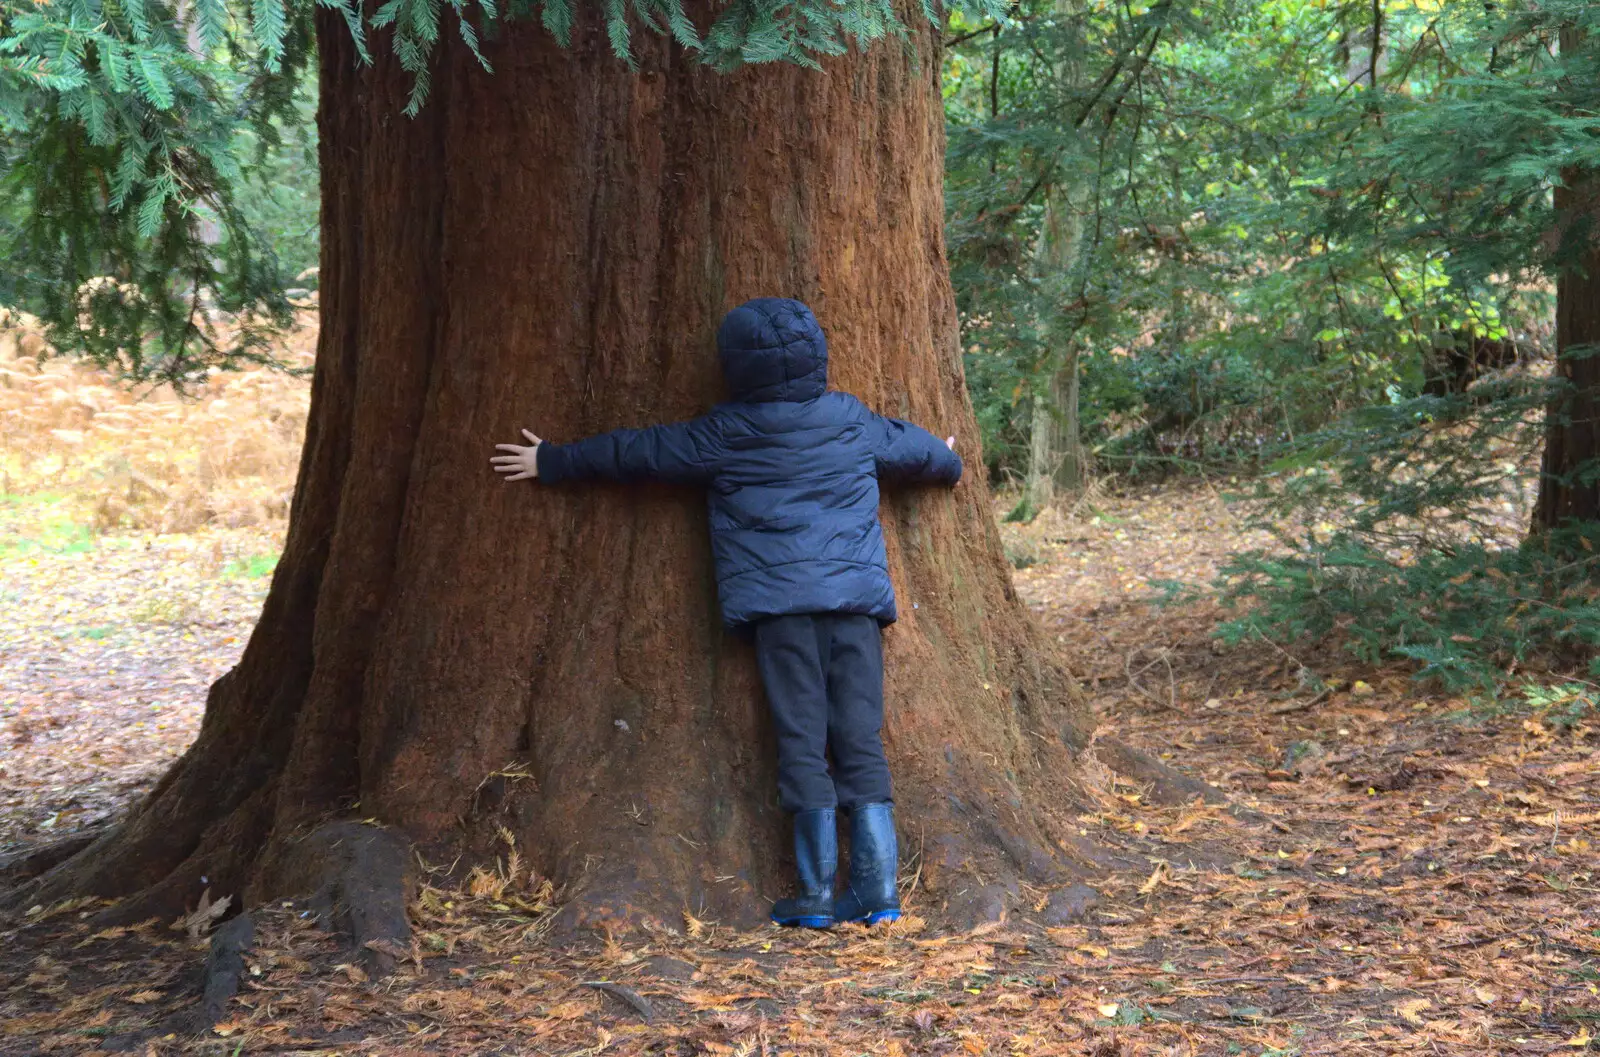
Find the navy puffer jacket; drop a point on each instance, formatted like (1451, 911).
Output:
(792, 471)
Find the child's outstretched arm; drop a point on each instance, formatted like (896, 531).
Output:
(907, 452)
(683, 453)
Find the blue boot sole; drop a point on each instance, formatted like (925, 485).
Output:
(806, 921)
(873, 918)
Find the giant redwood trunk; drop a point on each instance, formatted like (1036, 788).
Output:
(552, 246)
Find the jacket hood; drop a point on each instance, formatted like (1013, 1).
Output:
(772, 350)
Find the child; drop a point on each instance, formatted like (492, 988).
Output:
(792, 471)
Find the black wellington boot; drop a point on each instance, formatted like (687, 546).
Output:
(874, 861)
(816, 856)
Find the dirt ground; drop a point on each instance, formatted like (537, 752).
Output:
(1400, 873)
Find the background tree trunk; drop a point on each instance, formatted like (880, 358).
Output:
(553, 246)
(1055, 451)
(1365, 50)
(1055, 454)
(1569, 483)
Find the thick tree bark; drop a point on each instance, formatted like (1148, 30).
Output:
(553, 246)
(1569, 483)
(1569, 480)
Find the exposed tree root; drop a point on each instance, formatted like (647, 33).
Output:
(224, 969)
(358, 880)
(26, 865)
(1166, 785)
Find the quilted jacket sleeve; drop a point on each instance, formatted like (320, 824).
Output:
(680, 453)
(908, 453)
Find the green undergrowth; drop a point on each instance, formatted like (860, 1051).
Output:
(1410, 543)
(52, 524)
(253, 567)
(44, 523)
(1470, 618)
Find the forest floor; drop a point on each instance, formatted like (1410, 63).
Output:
(1403, 871)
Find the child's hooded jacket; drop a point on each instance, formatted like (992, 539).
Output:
(792, 471)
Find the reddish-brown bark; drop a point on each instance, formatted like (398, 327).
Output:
(552, 246)
(1569, 487)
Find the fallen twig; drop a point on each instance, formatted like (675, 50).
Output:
(627, 996)
(1300, 706)
(1163, 655)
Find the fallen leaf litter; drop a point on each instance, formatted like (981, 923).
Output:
(1406, 875)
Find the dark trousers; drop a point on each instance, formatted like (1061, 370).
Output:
(824, 678)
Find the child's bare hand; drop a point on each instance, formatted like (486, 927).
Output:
(522, 462)
(950, 442)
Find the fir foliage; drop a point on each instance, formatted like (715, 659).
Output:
(125, 207)
(120, 205)
(1471, 617)
(1405, 540)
